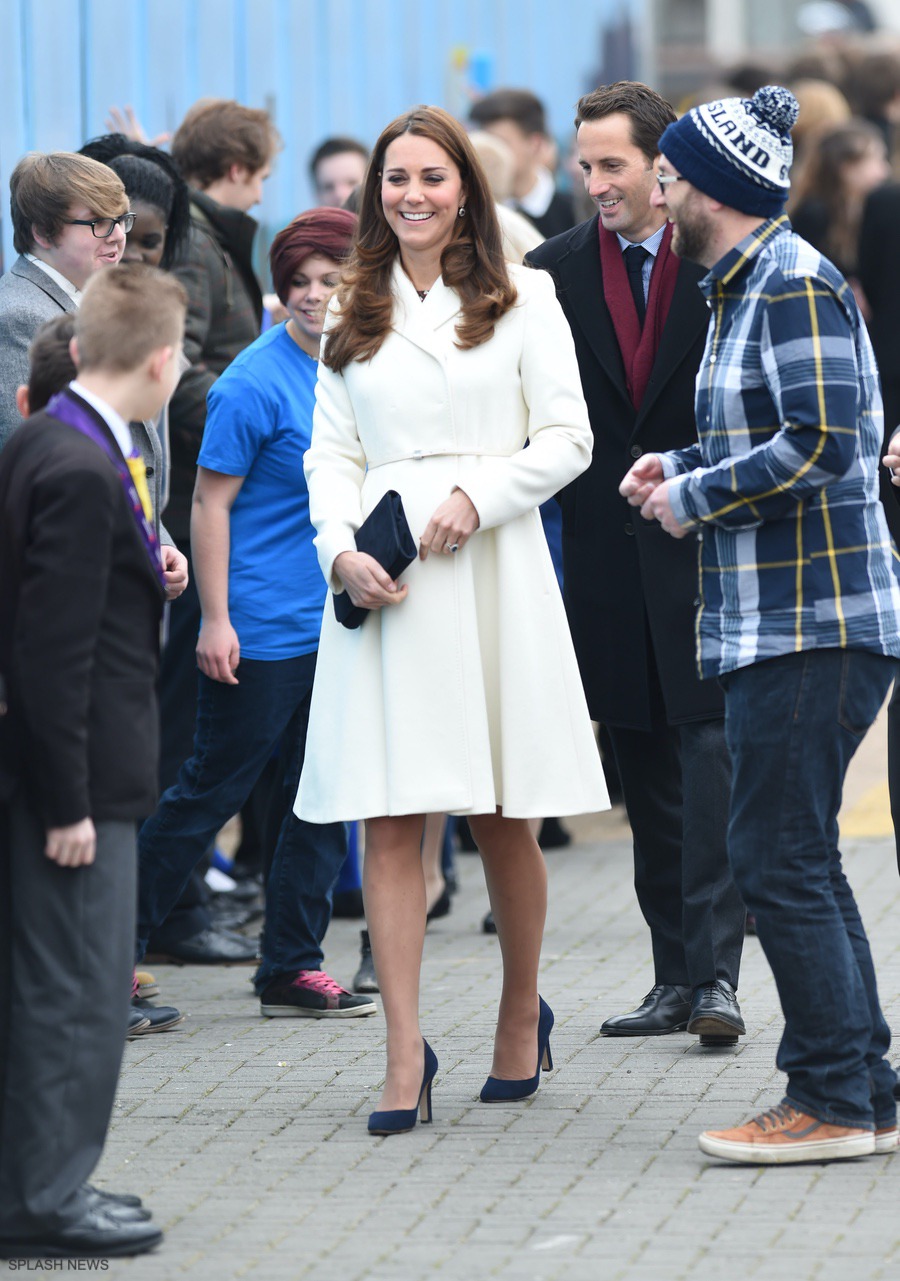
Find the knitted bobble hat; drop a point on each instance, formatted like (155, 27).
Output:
(737, 150)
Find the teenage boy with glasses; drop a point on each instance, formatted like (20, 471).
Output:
(58, 202)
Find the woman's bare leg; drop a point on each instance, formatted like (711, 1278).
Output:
(432, 851)
(394, 894)
(517, 886)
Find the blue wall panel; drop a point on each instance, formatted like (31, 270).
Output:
(320, 67)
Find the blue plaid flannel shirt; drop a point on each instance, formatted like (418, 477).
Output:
(795, 552)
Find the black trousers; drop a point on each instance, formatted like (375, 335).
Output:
(676, 783)
(66, 949)
(177, 718)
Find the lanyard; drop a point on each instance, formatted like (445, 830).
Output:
(71, 412)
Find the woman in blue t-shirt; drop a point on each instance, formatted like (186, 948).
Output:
(262, 596)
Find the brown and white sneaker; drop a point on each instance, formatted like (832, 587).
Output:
(784, 1135)
(147, 985)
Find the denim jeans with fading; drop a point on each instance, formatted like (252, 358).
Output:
(792, 725)
(238, 729)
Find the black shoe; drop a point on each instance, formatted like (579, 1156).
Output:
(665, 1008)
(160, 1018)
(715, 1014)
(553, 836)
(246, 891)
(441, 907)
(209, 947)
(365, 980)
(347, 905)
(489, 925)
(96, 1234)
(234, 916)
(137, 1023)
(124, 1213)
(114, 1198)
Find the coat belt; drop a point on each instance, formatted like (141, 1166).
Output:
(418, 454)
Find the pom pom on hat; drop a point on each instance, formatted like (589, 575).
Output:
(737, 150)
(776, 106)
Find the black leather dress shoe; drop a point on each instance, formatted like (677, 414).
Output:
(115, 1198)
(160, 1018)
(209, 947)
(122, 1213)
(137, 1023)
(665, 1008)
(96, 1234)
(715, 1014)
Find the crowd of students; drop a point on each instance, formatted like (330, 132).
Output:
(175, 455)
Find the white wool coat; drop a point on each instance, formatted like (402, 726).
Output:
(467, 695)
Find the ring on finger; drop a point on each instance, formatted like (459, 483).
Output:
(451, 547)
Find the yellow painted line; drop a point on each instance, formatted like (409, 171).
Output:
(870, 815)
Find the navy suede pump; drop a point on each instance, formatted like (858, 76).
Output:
(496, 1091)
(402, 1119)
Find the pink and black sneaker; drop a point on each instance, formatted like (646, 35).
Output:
(312, 994)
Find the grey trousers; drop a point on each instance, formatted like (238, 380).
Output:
(66, 950)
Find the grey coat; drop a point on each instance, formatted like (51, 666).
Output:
(28, 298)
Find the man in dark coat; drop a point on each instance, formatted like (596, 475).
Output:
(82, 587)
(639, 324)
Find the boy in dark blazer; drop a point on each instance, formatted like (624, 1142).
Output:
(639, 323)
(81, 591)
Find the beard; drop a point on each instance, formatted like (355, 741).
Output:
(690, 238)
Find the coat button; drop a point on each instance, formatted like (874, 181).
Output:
(629, 528)
(636, 451)
(148, 471)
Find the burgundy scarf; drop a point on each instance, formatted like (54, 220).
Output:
(638, 346)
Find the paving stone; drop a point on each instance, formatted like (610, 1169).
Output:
(247, 1136)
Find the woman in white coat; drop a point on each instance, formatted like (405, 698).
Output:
(460, 692)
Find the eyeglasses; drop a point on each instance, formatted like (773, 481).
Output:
(103, 227)
(665, 178)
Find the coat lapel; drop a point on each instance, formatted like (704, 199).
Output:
(688, 317)
(421, 322)
(27, 270)
(581, 284)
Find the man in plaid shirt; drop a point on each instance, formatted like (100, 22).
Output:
(799, 602)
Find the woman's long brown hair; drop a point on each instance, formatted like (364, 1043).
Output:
(472, 263)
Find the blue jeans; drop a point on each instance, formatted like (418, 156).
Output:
(792, 725)
(238, 729)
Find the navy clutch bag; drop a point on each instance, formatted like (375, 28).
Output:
(385, 535)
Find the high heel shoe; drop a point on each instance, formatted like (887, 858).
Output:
(400, 1120)
(496, 1091)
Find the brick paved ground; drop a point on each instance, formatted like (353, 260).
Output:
(248, 1136)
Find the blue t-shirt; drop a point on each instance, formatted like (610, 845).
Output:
(258, 425)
